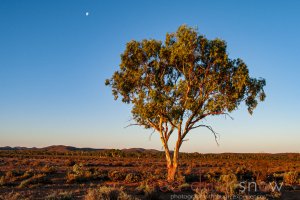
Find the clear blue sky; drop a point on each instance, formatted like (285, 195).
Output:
(54, 60)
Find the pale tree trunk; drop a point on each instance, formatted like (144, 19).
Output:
(170, 166)
(173, 164)
(172, 171)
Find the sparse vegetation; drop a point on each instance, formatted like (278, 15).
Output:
(108, 193)
(112, 171)
(117, 175)
(60, 196)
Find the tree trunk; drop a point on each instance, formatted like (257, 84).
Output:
(172, 170)
(173, 165)
(172, 162)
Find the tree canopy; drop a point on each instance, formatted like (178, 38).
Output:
(186, 76)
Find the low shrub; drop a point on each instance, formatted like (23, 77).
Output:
(76, 178)
(49, 169)
(133, 178)
(117, 175)
(36, 179)
(9, 178)
(260, 175)
(210, 176)
(229, 184)
(60, 196)
(160, 173)
(290, 178)
(70, 163)
(3, 181)
(100, 175)
(149, 192)
(27, 174)
(12, 196)
(78, 174)
(107, 193)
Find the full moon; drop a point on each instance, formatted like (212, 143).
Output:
(87, 14)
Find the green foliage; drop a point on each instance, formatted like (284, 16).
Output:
(186, 76)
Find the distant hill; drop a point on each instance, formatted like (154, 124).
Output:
(63, 148)
(15, 148)
(140, 150)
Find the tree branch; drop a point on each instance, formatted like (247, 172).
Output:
(151, 134)
(170, 132)
(132, 125)
(153, 125)
(211, 129)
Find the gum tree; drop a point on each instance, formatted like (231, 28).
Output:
(174, 85)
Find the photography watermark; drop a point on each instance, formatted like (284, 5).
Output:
(182, 196)
(242, 187)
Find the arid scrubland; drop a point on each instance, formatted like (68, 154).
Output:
(116, 174)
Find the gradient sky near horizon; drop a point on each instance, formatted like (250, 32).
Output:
(54, 59)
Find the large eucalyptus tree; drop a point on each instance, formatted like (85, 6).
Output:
(174, 85)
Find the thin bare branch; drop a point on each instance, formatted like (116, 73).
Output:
(226, 114)
(132, 125)
(211, 129)
(151, 134)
